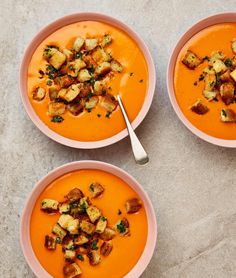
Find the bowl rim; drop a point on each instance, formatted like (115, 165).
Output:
(25, 240)
(223, 17)
(52, 27)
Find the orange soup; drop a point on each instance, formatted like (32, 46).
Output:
(126, 249)
(131, 83)
(189, 84)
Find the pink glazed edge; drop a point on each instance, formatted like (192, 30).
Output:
(45, 32)
(202, 24)
(25, 241)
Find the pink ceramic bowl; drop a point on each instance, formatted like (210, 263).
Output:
(209, 21)
(44, 33)
(43, 183)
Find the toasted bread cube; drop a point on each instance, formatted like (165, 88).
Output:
(69, 255)
(49, 51)
(103, 68)
(233, 45)
(191, 60)
(116, 66)
(94, 213)
(75, 108)
(71, 270)
(62, 93)
(219, 66)
(91, 102)
(85, 89)
(107, 39)
(227, 92)
(96, 189)
(69, 54)
(109, 103)
(56, 108)
(108, 234)
(57, 59)
(79, 64)
(225, 76)
(90, 44)
(87, 227)
(81, 239)
(72, 92)
(233, 61)
(39, 93)
(210, 81)
(233, 75)
(94, 257)
(100, 87)
(57, 229)
(64, 81)
(84, 75)
(209, 95)
(209, 70)
(122, 227)
(133, 205)
(49, 205)
(73, 226)
(227, 115)
(199, 108)
(100, 55)
(216, 55)
(64, 220)
(50, 242)
(75, 195)
(106, 248)
(53, 93)
(79, 42)
(84, 204)
(68, 243)
(64, 208)
(101, 225)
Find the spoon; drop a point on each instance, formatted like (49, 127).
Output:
(140, 154)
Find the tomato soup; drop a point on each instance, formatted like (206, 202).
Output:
(131, 84)
(126, 250)
(214, 38)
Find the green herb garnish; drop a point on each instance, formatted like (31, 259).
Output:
(58, 240)
(78, 55)
(94, 244)
(223, 113)
(121, 227)
(57, 119)
(228, 62)
(49, 82)
(80, 257)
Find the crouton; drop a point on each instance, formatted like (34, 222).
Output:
(199, 108)
(81, 239)
(75, 195)
(191, 60)
(133, 205)
(209, 95)
(75, 108)
(103, 68)
(49, 205)
(39, 93)
(57, 59)
(64, 208)
(96, 189)
(227, 116)
(53, 93)
(108, 234)
(122, 227)
(109, 103)
(69, 255)
(84, 75)
(210, 81)
(78, 43)
(68, 243)
(56, 108)
(233, 45)
(225, 76)
(116, 66)
(94, 213)
(57, 229)
(64, 81)
(216, 55)
(233, 75)
(107, 39)
(71, 93)
(99, 55)
(233, 61)
(100, 87)
(85, 89)
(84, 204)
(79, 64)
(50, 242)
(91, 102)
(73, 226)
(219, 66)
(106, 248)
(62, 93)
(227, 92)
(90, 44)
(49, 51)
(209, 70)
(89, 61)
(69, 54)
(87, 227)
(94, 257)
(101, 225)
(64, 220)
(71, 270)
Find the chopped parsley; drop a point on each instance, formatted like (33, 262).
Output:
(228, 62)
(49, 82)
(92, 81)
(104, 219)
(223, 113)
(51, 71)
(58, 240)
(83, 207)
(74, 205)
(57, 119)
(94, 244)
(121, 227)
(78, 55)
(80, 257)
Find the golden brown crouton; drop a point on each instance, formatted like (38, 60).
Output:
(75, 108)
(227, 115)
(94, 257)
(227, 92)
(68, 243)
(79, 42)
(84, 75)
(94, 213)
(90, 44)
(100, 55)
(107, 39)
(100, 87)
(71, 270)
(50, 242)
(85, 89)
(233, 75)
(191, 60)
(91, 102)
(219, 66)
(122, 227)
(106, 248)
(64, 208)
(87, 227)
(72, 92)
(73, 226)
(210, 81)
(225, 76)
(57, 229)
(199, 108)
(103, 68)
(69, 255)
(57, 59)
(69, 54)
(233, 45)
(39, 93)
(216, 55)
(74, 195)
(64, 220)
(101, 225)
(49, 205)
(108, 234)
(116, 66)
(109, 103)
(96, 189)
(64, 81)
(133, 205)
(56, 108)
(53, 93)
(209, 95)
(81, 239)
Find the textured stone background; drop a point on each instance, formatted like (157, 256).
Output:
(191, 183)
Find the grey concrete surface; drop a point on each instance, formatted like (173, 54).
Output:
(190, 182)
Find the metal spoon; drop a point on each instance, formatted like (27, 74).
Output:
(140, 154)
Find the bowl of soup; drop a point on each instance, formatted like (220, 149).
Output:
(88, 219)
(73, 71)
(201, 79)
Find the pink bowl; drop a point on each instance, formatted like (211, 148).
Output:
(202, 24)
(43, 183)
(44, 33)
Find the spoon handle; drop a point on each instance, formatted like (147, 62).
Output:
(140, 154)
